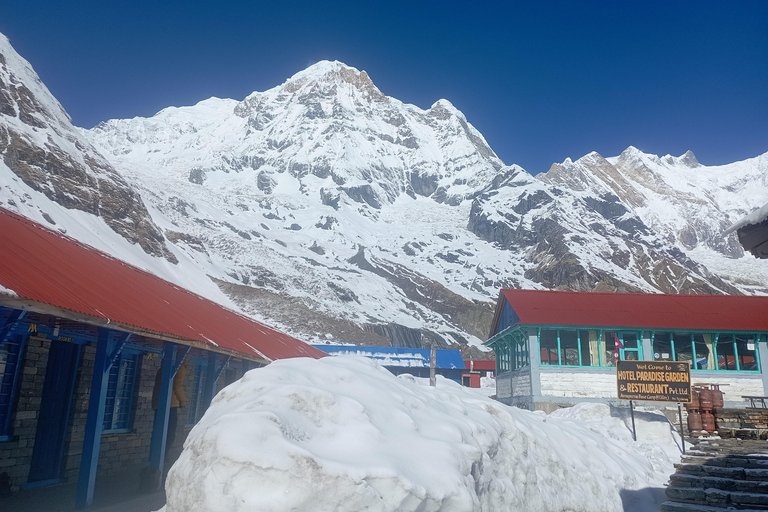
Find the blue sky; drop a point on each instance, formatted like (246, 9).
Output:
(542, 80)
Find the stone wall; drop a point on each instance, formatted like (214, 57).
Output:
(16, 455)
(119, 452)
(742, 423)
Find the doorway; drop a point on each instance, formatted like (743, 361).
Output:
(55, 411)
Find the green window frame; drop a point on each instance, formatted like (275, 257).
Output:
(585, 347)
(727, 351)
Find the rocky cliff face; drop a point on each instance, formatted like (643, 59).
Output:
(334, 212)
(41, 148)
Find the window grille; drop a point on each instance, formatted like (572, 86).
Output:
(121, 388)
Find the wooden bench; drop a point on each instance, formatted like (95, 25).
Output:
(755, 400)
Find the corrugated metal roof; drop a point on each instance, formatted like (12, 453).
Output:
(400, 356)
(480, 364)
(641, 310)
(49, 268)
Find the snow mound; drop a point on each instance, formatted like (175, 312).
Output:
(343, 434)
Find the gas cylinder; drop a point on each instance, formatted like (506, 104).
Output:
(694, 421)
(705, 399)
(694, 400)
(717, 397)
(708, 422)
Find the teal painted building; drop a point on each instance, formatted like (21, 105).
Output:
(559, 348)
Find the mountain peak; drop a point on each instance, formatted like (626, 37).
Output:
(332, 73)
(687, 159)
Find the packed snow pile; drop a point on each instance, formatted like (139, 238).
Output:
(343, 434)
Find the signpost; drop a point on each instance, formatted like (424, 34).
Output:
(654, 381)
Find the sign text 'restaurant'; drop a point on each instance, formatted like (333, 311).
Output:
(668, 381)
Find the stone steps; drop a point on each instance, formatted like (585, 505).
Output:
(706, 480)
(670, 506)
(682, 480)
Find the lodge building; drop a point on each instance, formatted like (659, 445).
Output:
(556, 348)
(86, 343)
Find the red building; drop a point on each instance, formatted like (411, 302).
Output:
(476, 369)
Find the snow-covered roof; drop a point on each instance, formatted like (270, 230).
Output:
(400, 356)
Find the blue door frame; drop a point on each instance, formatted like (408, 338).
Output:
(53, 420)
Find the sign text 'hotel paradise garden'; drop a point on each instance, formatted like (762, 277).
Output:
(655, 381)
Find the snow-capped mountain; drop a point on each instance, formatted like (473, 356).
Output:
(335, 212)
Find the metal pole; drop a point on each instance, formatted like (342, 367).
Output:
(682, 434)
(432, 363)
(632, 413)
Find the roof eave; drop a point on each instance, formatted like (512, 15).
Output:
(49, 309)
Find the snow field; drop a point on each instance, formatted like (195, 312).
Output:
(343, 434)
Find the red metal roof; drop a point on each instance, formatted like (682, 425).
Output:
(47, 267)
(480, 365)
(642, 310)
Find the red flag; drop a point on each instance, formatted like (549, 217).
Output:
(617, 345)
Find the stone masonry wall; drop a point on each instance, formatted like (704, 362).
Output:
(16, 455)
(118, 452)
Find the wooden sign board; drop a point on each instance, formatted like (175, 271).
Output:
(654, 381)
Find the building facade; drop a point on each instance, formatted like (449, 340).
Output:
(559, 348)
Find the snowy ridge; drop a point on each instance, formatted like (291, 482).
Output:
(364, 209)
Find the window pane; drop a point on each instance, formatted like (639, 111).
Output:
(662, 347)
(590, 350)
(726, 358)
(548, 342)
(109, 403)
(631, 350)
(745, 349)
(609, 344)
(124, 392)
(120, 391)
(630, 340)
(683, 347)
(569, 347)
(704, 356)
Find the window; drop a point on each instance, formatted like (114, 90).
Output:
(569, 347)
(683, 347)
(196, 409)
(10, 368)
(632, 346)
(609, 348)
(702, 344)
(549, 346)
(745, 348)
(662, 347)
(121, 388)
(520, 354)
(589, 348)
(708, 351)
